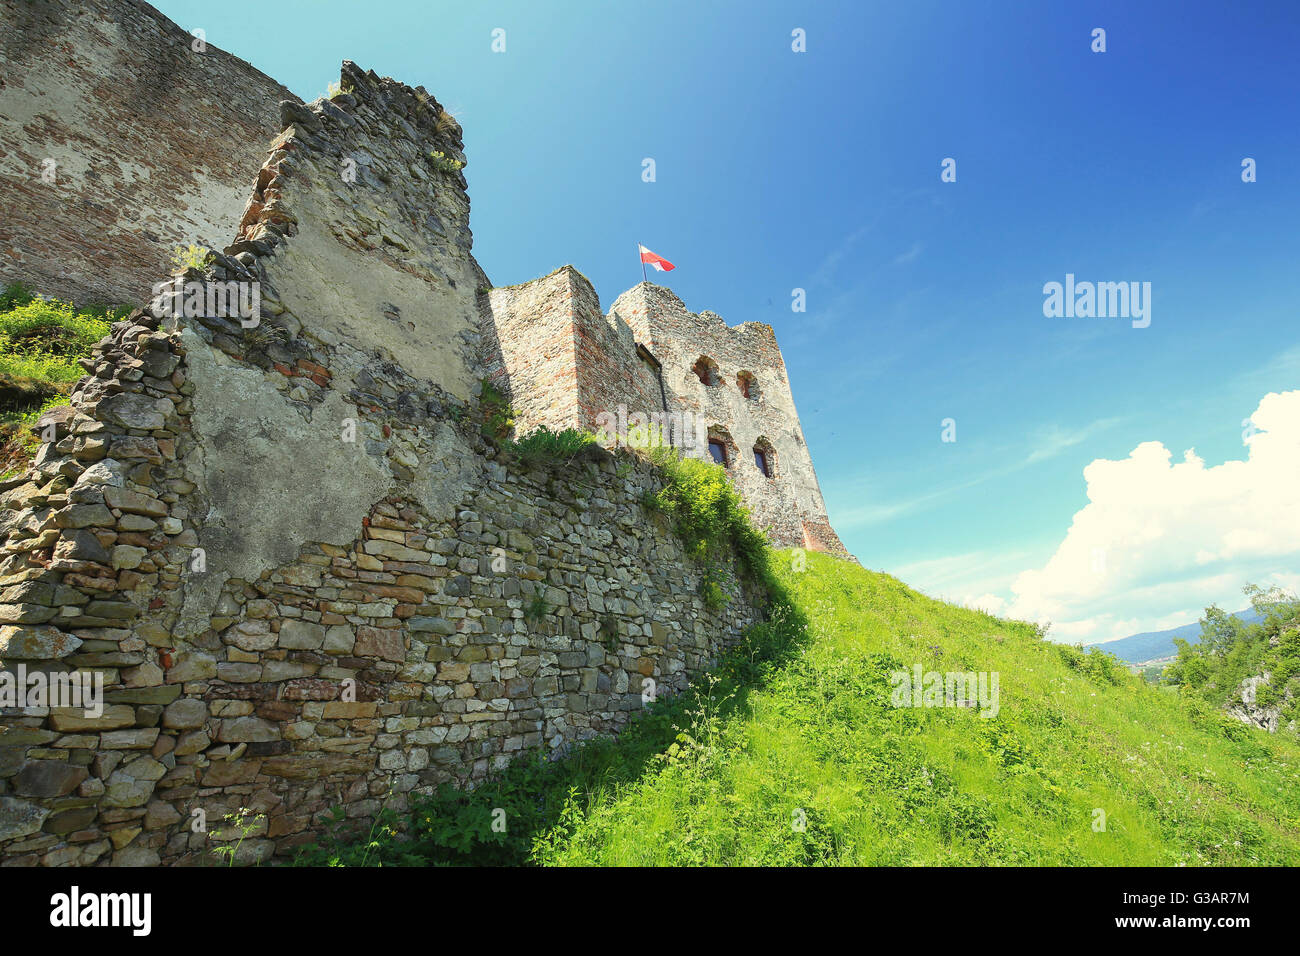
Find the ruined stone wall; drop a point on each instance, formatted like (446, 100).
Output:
(611, 370)
(118, 142)
(789, 503)
(305, 577)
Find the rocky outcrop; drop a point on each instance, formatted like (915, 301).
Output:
(1250, 711)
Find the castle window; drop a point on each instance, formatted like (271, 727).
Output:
(706, 370)
(748, 385)
(722, 447)
(765, 457)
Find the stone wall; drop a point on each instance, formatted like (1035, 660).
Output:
(789, 502)
(528, 349)
(118, 142)
(305, 577)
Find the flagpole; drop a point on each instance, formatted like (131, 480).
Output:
(638, 255)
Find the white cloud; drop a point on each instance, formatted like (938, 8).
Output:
(1055, 440)
(989, 603)
(911, 255)
(1158, 537)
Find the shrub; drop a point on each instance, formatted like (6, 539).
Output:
(498, 414)
(706, 510)
(41, 341)
(189, 257)
(53, 328)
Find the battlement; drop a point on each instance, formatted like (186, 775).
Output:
(734, 379)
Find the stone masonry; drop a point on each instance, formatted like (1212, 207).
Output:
(563, 363)
(304, 576)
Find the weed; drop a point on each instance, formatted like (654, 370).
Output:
(536, 609)
(443, 163)
(544, 445)
(244, 822)
(189, 257)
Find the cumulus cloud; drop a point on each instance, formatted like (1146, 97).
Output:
(1160, 536)
(989, 603)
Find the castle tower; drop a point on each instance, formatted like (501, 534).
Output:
(734, 378)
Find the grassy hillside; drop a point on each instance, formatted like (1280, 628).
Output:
(1179, 782)
(40, 342)
(799, 721)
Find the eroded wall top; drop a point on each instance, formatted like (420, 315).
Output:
(360, 219)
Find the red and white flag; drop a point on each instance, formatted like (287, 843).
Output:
(659, 262)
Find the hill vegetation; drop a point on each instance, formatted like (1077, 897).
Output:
(1159, 645)
(1232, 650)
(791, 752)
(41, 341)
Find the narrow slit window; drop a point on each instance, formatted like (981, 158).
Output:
(760, 459)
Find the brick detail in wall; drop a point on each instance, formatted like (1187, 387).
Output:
(118, 142)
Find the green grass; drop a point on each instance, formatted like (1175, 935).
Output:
(1179, 782)
(797, 724)
(40, 343)
(544, 445)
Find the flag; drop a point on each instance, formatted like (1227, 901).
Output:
(659, 262)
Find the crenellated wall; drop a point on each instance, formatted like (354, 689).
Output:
(565, 365)
(562, 362)
(788, 501)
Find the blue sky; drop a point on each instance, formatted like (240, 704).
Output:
(820, 170)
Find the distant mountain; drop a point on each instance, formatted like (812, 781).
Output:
(1149, 645)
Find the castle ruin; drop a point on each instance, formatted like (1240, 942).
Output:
(279, 543)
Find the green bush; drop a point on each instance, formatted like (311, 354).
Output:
(706, 510)
(1231, 650)
(49, 328)
(189, 257)
(498, 414)
(40, 342)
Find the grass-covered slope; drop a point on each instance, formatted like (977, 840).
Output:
(41, 341)
(818, 740)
